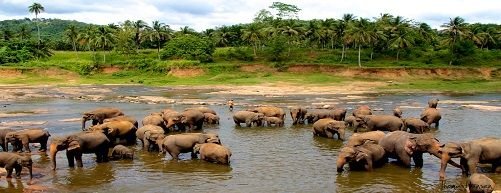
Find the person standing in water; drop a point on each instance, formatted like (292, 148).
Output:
(230, 104)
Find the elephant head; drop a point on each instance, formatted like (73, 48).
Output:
(25, 161)
(90, 116)
(427, 143)
(397, 112)
(70, 143)
(338, 127)
(172, 119)
(210, 138)
(348, 154)
(448, 151)
(14, 138)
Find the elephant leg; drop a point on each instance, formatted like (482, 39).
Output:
(78, 158)
(193, 155)
(248, 123)
(9, 171)
(71, 159)
(174, 154)
(95, 121)
(405, 159)
(437, 124)
(43, 145)
(495, 165)
(464, 165)
(329, 134)
(472, 166)
(18, 169)
(418, 159)
(146, 144)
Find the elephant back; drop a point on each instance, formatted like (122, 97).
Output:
(91, 140)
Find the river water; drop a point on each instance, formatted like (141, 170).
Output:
(266, 159)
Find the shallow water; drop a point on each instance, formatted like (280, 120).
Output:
(286, 159)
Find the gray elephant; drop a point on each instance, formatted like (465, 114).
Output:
(361, 111)
(99, 115)
(480, 183)
(172, 119)
(274, 121)
(416, 125)
(329, 127)
(298, 114)
(403, 146)
(248, 118)
(202, 110)
(80, 143)
(121, 152)
(337, 114)
(431, 116)
(124, 131)
(184, 143)
(123, 118)
(193, 119)
(212, 152)
(153, 139)
(142, 130)
(351, 121)
(210, 118)
(397, 112)
(270, 111)
(11, 161)
(381, 122)
(155, 119)
(483, 150)
(3, 142)
(432, 103)
(22, 138)
(361, 157)
(361, 138)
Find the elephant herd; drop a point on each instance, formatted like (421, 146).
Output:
(173, 132)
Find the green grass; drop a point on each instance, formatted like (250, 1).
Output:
(455, 86)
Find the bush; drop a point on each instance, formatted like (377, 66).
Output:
(188, 47)
(238, 53)
(87, 68)
(275, 49)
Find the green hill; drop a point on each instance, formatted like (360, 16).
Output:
(50, 29)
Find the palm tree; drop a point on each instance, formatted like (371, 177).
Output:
(86, 37)
(186, 30)
(377, 35)
(6, 34)
(223, 36)
(341, 29)
(313, 33)
(159, 32)
(36, 8)
(360, 35)
(104, 38)
(125, 41)
(291, 30)
(24, 32)
(403, 38)
(71, 35)
(252, 34)
(139, 26)
(455, 30)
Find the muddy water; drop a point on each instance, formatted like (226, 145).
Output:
(285, 159)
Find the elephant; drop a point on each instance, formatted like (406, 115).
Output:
(155, 119)
(298, 114)
(212, 152)
(123, 118)
(84, 142)
(122, 130)
(365, 156)
(3, 142)
(270, 111)
(351, 121)
(153, 139)
(484, 150)
(397, 112)
(430, 116)
(172, 118)
(203, 110)
(402, 146)
(337, 114)
(361, 111)
(211, 118)
(11, 161)
(416, 125)
(25, 137)
(432, 103)
(248, 118)
(193, 119)
(122, 152)
(99, 115)
(142, 130)
(381, 122)
(479, 183)
(274, 121)
(184, 143)
(361, 138)
(329, 127)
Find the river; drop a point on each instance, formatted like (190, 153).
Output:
(265, 159)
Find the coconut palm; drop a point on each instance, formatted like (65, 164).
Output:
(36, 8)
(71, 35)
(103, 39)
(159, 32)
(125, 41)
(292, 31)
(223, 36)
(139, 27)
(252, 34)
(86, 37)
(402, 38)
(24, 32)
(313, 33)
(455, 29)
(360, 35)
(341, 29)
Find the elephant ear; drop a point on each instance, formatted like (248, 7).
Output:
(73, 145)
(360, 155)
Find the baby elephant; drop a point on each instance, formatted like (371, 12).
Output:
(361, 157)
(122, 152)
(416, 125)
(328, 128)
(274, 121)
(479, 183)
(210, 118)
(212, 152)
(11, 161)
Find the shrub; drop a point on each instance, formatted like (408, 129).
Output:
(189, 47)
(275, 49)
(87, 68)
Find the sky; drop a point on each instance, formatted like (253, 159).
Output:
(204, 14)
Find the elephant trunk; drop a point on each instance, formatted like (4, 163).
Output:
(443, 164)
(340, 163)
(30, 169)
(52, 154)
(441, 156)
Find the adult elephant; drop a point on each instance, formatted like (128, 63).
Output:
(362, 111)
(147, 128)
(403, 146)
(397, 112)
(155, 119)
(270, 111)
(193, 119)
(329, 127)
(381, 122)
(212, 152)
(483, 150)
(172, 119)
(3, 142)
(22, 138)
(122, 130)
(432, 103)
(360, 157)
(11, 161)
(210, 118)
(248, 118)
(203, 110)
(123, 118)
(361, 138)
(431, 116)
(314, 115)
(416, 125)
(184, 143)
(298, 114)
(153, 139)
(351, 121)
(99, 115)
(85, 142)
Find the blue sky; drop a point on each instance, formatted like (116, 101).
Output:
(203, 14)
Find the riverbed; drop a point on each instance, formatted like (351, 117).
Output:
(268, 159)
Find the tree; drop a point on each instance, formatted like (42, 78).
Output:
(360, 35)
(341, 29)
(125, 41)
(291, 30)
(189, 47)
(36, 8)
(223, 35)
(402, 38)
(286, 11)
(139, 26)
(159, 32)
(24, 32)
(103, 39)
(252, 34)
(455, 29)
(263, 16)
(71, 35)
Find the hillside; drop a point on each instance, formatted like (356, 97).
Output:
(50, 29)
